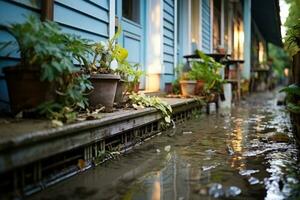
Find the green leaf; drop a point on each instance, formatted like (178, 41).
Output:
(293, 108)
(292, 90)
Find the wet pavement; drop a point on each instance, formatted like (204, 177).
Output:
(246, 153)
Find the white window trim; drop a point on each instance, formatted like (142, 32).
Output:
(211, 25)
(175, 34)
(112, 15)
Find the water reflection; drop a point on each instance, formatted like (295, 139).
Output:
(249, 153)
(257, 159)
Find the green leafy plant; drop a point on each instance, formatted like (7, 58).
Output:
(43, 47)
(142, 101)
(178, 75)
(292, 38)
(292, 23)
(293, 98)
(208, 70)
(104, 53)
(131, 74)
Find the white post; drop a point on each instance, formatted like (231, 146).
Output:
(222, 23)
(211, 25)
(112, 8)
(200, 25)
(154, 51)
(247, 39)
(175, 34)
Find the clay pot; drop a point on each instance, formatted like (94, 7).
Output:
(296, 68)
(25, 89)
(120, 91)
(188, 87)
(136, 87)
(199, 87)
(105, 86)
(295, 121)
(168, 88)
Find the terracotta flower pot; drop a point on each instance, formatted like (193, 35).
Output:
(25, 89)
(199, 87)
(188, 87)
(120, 91)
(168, 88)
(105, 86)
(136, 87)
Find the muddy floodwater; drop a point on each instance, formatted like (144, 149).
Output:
(248, 152)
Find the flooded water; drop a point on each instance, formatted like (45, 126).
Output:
(246, 153)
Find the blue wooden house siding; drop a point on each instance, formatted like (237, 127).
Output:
(87, 18)
(91, 19)
(168, 41)
(12, 11)
(206, 26)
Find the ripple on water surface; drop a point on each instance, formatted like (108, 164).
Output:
(248, 153)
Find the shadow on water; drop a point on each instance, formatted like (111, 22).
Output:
(246, 153)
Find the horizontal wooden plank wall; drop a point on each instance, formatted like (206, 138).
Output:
(206, 26)
(12, 11)
(168, 41)
(87, 18)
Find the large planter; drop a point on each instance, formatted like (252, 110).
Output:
(119, 91)
(168, 88)
(104, 91)
(136, 87)
(199, 87)
(25, 89)
(188, 87)
(295, 121)
(296, 68)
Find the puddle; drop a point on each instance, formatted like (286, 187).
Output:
(247, 154)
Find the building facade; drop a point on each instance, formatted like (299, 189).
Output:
(157, 33)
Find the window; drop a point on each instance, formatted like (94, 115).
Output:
(131, 10)
(217, 24)
(195, 25)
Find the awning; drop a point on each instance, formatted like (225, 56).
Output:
(265, 13)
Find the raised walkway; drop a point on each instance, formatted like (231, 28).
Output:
(34, 149)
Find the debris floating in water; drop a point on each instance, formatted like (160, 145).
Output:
(187, 132)
(248, 172)
(206, 168)
(253, 181)
(230, 150)
(216, 190)
(233, 191)
(168, 148)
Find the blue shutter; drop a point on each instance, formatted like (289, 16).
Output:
(206, 26)
(168, 41)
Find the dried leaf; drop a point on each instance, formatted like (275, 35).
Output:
(57, 123)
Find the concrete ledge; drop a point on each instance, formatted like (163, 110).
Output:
(27, 141)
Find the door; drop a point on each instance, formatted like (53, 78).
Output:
(131, 17)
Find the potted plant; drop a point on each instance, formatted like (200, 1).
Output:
(292, 45)
(187, 85)
(293, 105)
(210, 74)
(103, 78)
(46, 71)
(133, 81)
(130, 74)
(198, 72)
